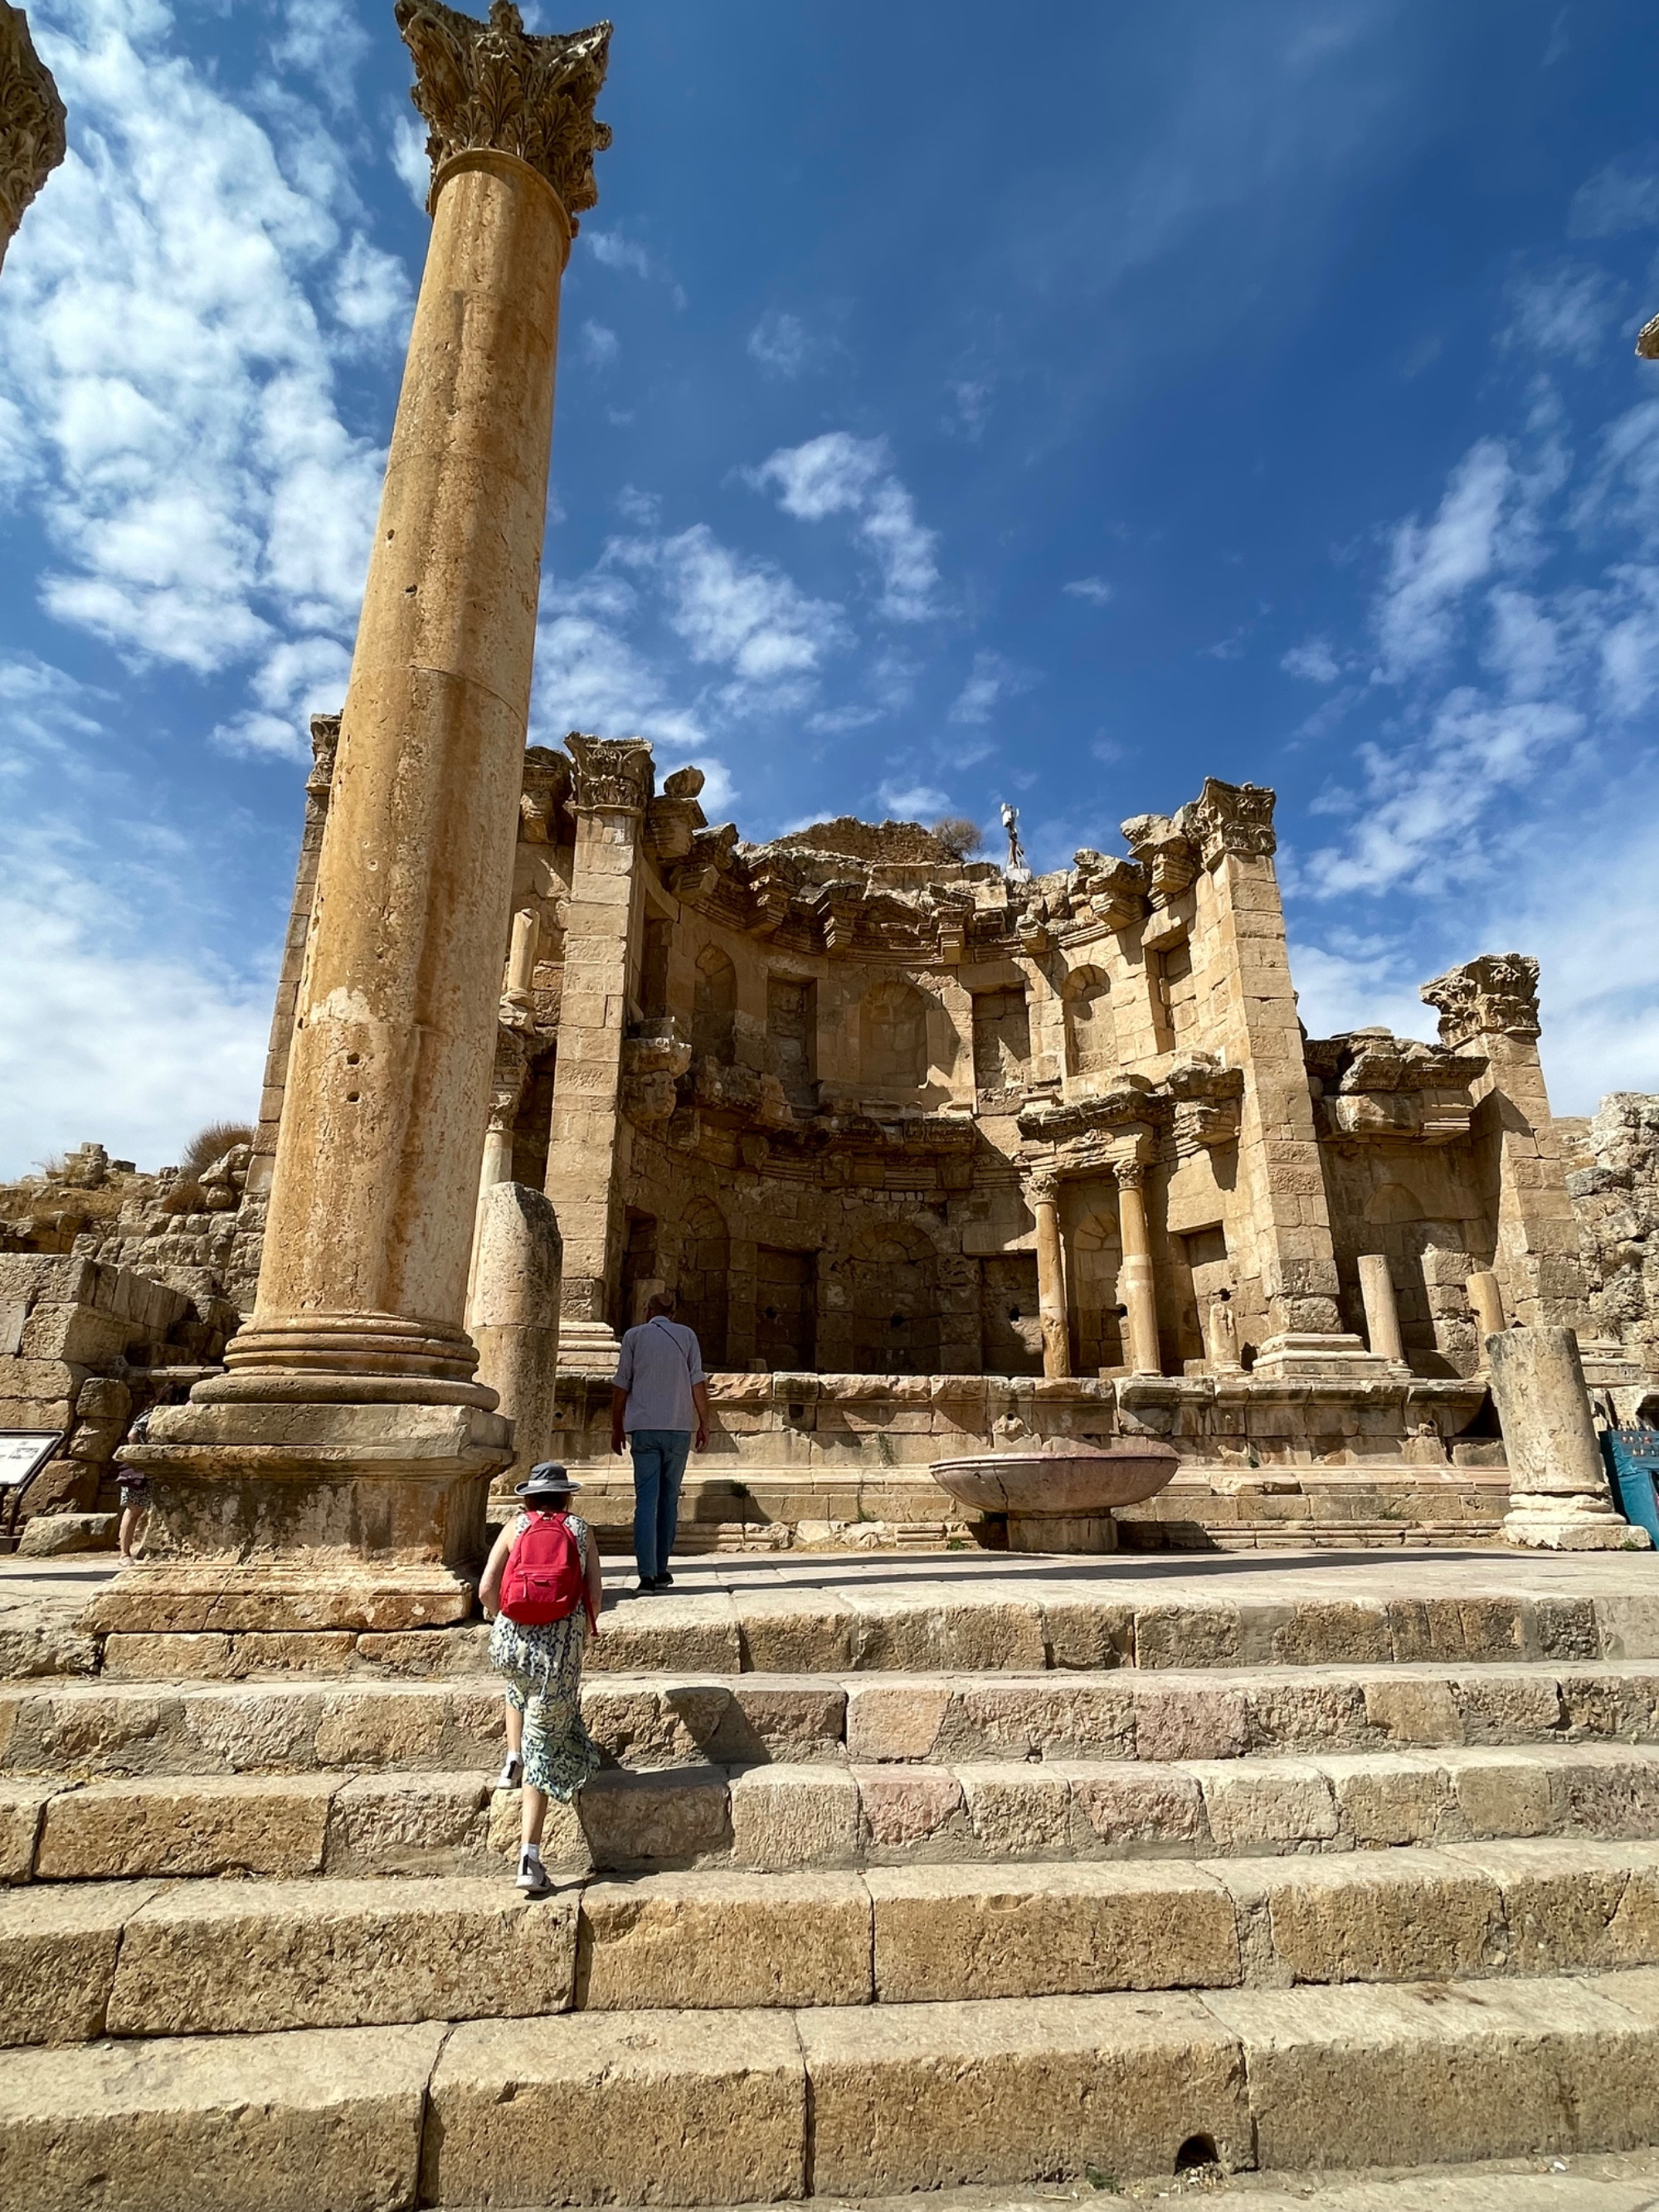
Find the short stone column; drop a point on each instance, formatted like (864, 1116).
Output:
(1486, 1304)
(336, 1475)
(32, 119)
(1381, 1313)
(1221, 1335)
(519, 989)
(516, 1315)
(1135, 1283)
(1558, 1496)
(1043, 1195)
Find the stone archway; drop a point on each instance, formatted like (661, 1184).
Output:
(893, 1037)
(714, 1007)
(1090, 1029)
(1095, 1254)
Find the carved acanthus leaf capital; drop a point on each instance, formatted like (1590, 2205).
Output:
(1042, 1188)
(494, 86)
(32, 119)
(1230, 817)
(613, 772)
(1494, 995)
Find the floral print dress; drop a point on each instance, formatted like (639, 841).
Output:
(542, 1663)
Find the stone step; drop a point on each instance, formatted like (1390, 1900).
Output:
(139, 1959)
(775, 1818)
(926, 1615)
(761, 2106)
(86, 1729)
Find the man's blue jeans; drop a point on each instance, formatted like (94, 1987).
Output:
(660, 1457)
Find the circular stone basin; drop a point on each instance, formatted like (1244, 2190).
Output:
(1060, 1498)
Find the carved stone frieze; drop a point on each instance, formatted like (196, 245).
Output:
(1111, 890)
(494, 86)
(32, 119)
(653, 1062)
(1374, 1087)
(612, 773)
(1495, 994)
(1230, 817)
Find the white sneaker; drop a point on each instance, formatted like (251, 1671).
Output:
(512, 1773)
(533, 1876)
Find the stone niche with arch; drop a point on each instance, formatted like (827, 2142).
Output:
(1411, 1207)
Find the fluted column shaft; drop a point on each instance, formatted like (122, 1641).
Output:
(1051, 1280)
(1135, 1282)
(372, 1203)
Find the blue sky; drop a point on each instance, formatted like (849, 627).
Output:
(954, 405)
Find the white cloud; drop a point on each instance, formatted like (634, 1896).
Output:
(1433, 565)
(173, 382)
(840, 474)
(409, 158)
(1565, 311)
(1313, 660)
(119, 1018)
(991, 680)
(600, 345)
(1094, 589)
(910, 801)
(1624, 196)
(779, 344)
(613, 251)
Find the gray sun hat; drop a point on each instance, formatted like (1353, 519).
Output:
(549, 1478)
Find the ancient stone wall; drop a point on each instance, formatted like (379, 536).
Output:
(1613, 1177)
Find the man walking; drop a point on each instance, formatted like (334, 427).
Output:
(658, 1400)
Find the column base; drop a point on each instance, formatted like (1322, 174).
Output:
(588, 1348)
(1570, 1523)
(290, 1516)
(1292, 1357)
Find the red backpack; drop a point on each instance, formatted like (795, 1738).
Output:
(543, 1580)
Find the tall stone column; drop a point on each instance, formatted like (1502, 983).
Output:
(1135, 1283)
(1042, 1195)
(1229, 828)
(32, 119)
(1492, 1003)
(585, 1154)
(1558, 1494)
(336, 1475)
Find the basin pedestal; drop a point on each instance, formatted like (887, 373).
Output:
(1061, 1499)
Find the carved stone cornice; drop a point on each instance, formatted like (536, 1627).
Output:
(492, 85)
(1495, 995)
(1230, 817)
(613, 773)
(32, 119)
(1160, 846)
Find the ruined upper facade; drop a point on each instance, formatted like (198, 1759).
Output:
(835, 1089)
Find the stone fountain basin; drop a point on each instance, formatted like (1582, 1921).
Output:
(1064, 1481)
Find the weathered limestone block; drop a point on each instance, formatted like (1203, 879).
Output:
(909, 2097)
(906, 1807)
(725, 1940)
(784, 1817)
(255, 2124)
(57, 1950)
(387, 1824)
(635, 2108)
(259, 1824)
(969, 1932)
(1017, 1811)
(1364, 1916)
(231, 1958)
(1266, 1805)
(676, 1817)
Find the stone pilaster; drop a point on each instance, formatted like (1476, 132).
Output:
(611, 790)
(1492, 1002)
(336, 1474)
(32, 119)
(1229, 828)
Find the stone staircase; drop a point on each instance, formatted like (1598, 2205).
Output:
(903, 1874)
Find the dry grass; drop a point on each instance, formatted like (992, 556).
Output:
(212, 1144)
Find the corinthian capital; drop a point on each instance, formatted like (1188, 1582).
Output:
(1230, 817)
(32, 142)
(493, 85)
(613, 772)
(1494, 995)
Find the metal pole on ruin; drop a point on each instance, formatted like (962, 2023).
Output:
(336, 1474)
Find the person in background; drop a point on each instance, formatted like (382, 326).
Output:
(553, 1568)
(135, 1489)
(659, 1406)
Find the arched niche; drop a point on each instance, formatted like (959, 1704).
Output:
(1390, 1204)
(704, 1276)
(1095, 1254)
(1091, 1029)
(893, 1037)
(891, 1270)
(714, 1005)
